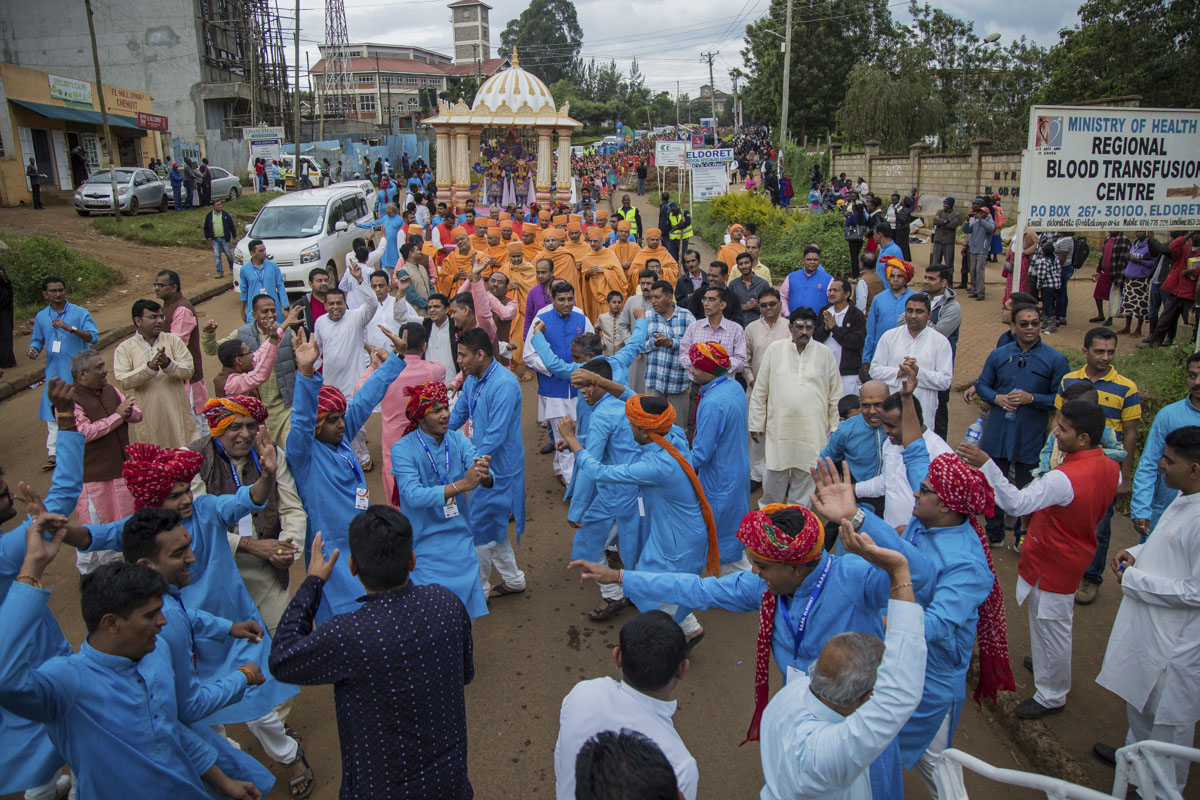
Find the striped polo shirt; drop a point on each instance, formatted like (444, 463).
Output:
(1118, 397)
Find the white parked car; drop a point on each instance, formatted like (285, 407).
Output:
(307, 229)
(225, 185)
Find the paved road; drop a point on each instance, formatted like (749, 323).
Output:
(534, 647)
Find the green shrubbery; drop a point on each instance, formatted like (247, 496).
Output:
(784, 234)
(31, 259)
(182, 228)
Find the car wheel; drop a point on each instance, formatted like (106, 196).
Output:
(133, 206)
(82, 212)
(331, 268)
(163, 206)
(234, 191)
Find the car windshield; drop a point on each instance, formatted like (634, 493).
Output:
(123, 176)
(288, 222)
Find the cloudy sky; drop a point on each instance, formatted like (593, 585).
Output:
(665, 36)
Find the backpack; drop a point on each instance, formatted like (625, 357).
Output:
(1080, 253)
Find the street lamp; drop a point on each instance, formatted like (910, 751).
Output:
(991, 38)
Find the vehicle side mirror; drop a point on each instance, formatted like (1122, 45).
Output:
(247, 226)
(340, 225)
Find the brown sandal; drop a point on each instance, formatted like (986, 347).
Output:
(609, 609)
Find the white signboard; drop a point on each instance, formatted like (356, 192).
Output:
(709, 182)
(710, 157)
(670, 154)
(265, 141)
(1112, 169)
(70, 90)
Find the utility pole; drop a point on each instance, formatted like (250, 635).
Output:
(676, 104)
(108, 138)
(712, 89)
(787, 78)
(254, 78)
(296, 101)
(312, 97)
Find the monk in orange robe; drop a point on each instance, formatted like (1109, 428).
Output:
(544, 220)
(575, 245)
(655, 250)
(529, 242)
(522, 277)
(457, 266)
(479, 237)
(431, 250)
(496, 249)
(601, 273)
(729, 252)
(565, 266)
(626, 248)
(508, 233)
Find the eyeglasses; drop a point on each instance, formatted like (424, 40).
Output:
(768, 304)
(1029, 323)
(160, 285)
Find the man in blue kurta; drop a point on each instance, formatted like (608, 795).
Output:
(110, 709)
(804, 597)
(328, 476)
(721, 449)
(887, 307)
(1150, 494)
(435, 469)
(675, 539)
(28, 760)
(490, 408)
(859, 441)
(61, 330)
(262, 276)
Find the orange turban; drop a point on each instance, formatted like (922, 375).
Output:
(710, 357)
(595, 233)
(575, 218)
(623, 226)
(416, 230)
(516, 249)
(737, 226)
(506, 225)
(560, 219)
(504, 215)
(653, 232)
(657, 425)
(483, 222)
(150, 471)
(545, 215)
(892, 263)
(574, 226)
(459, 231)
(330, 400)
(421, 400)
(221, 411)
(602, 214)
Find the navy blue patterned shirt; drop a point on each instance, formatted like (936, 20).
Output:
(398, 665)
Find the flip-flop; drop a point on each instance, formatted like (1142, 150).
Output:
(693, 642)
(502, 589)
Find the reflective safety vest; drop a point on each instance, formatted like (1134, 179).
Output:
(685, 233)
(630, 216)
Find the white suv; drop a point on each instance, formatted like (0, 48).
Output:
(307, 229)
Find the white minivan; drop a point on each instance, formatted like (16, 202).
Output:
(307, 229)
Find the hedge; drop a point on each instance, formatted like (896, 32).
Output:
(31, 259)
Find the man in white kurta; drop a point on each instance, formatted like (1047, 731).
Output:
(341, 332)
(1153, 659)
(916, 341)
(155, 367)
(770, 327)
(793, 408)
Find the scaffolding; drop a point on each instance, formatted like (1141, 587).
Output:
(242, 64)
(338, 99)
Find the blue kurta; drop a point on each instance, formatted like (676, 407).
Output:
(1039, 371)
(619, 361)
(721, 457)
(391, 225)
(885, 314)
(217, 588)
(676, 539)
(44, 338)
(114, 719)
(853, 599)
(859, 445)
(329, 476)
(493, 406)
(444, 546)
(1150, 494)
(597, 506)
(27, 758)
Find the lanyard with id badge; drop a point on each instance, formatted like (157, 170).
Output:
(246, 523)
(362, 498)
(474, 402)
(450, 508)
(798, 629)
(56, 345)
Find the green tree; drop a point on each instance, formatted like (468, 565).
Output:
(827, 40)
(897, 107)
(1119, 47)
(547, 37)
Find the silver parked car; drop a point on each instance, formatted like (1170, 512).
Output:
(137, 188)
(224, 185)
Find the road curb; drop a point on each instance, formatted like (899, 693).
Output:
(1034, 740)
(12, 384)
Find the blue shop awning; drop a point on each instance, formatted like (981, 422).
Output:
(77, 114)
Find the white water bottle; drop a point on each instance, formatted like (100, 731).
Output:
(974, 433)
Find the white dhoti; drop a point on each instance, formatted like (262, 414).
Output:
(501, 556)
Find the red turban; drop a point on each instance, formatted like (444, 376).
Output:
(963, 488)
(710, 357)
(657, 425)
(765, 541)
(421, 400)
(221, 411)
(891, 262)
(330, 400)
(150, 471)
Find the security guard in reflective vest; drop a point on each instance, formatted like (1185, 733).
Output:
(633, 217)
(681, 231)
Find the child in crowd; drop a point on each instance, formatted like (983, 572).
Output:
(848, 407)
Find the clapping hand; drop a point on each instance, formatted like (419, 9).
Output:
(268, 459)
(39, 551)
(62, 395)
(125, 408)
(209, 326)
(834, 498)
(908, 377)
(318, 565)
(639, 312)
(399, 342)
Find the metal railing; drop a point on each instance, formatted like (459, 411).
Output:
(1152, 763)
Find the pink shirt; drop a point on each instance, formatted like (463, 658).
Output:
(94, 429)
(264, 362)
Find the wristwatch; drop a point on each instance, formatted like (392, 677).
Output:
(858, 519)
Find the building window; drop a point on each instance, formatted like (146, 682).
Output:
(413, 104)
(411, 79)
(366, 102)
(364, 78)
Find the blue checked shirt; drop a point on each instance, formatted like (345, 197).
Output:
(664, 373)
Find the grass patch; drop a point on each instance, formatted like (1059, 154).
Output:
(180, 228)
(31, 259)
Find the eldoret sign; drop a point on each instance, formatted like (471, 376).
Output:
(1112, 169)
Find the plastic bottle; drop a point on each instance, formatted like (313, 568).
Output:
(1011, 415)
(974, 433)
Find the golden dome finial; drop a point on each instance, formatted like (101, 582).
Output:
(515, 62)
